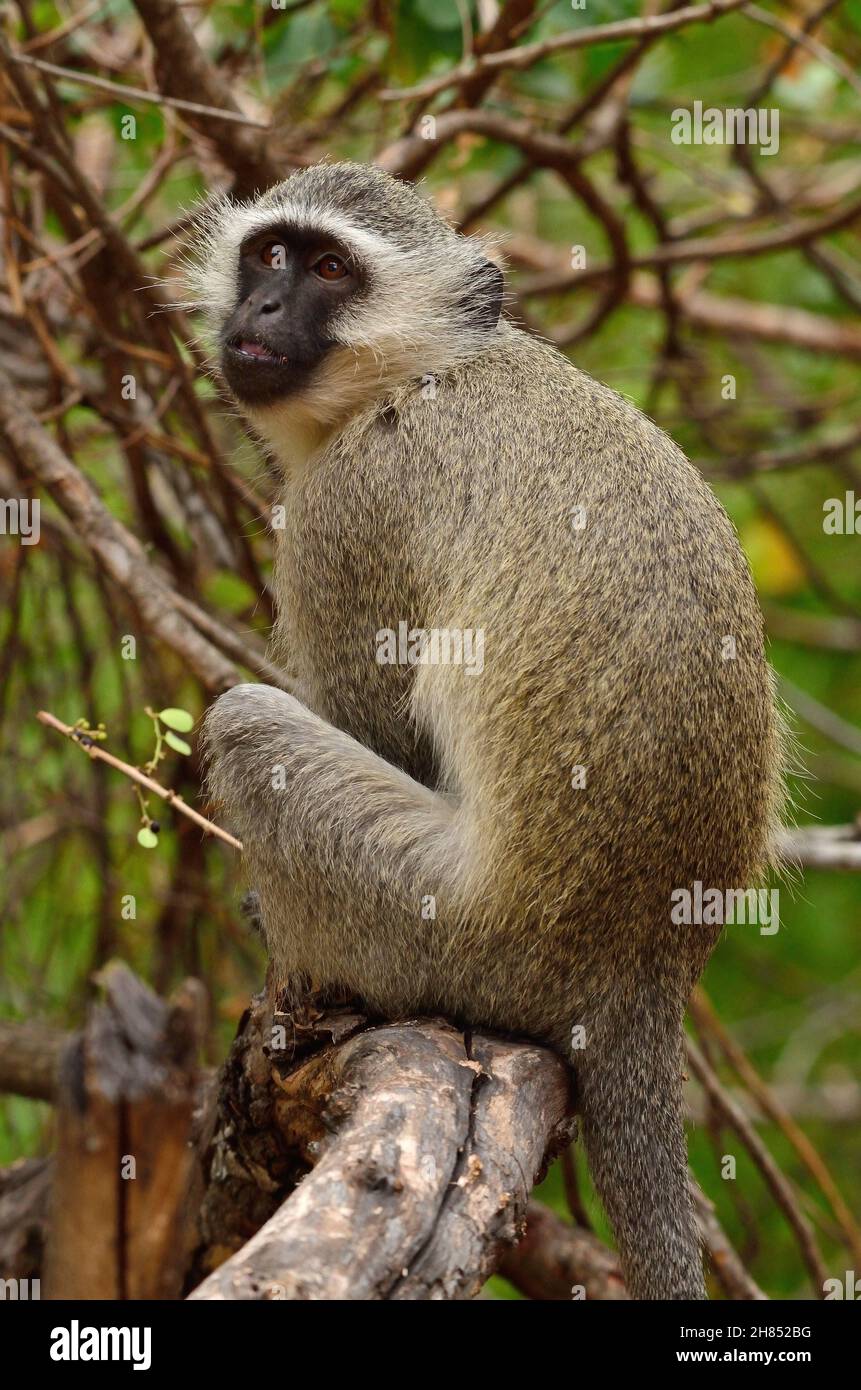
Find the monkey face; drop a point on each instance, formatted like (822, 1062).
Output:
(330, 289)
(292, 286)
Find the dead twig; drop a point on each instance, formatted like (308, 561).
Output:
(135, 775)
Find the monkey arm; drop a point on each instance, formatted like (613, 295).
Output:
(343, 848)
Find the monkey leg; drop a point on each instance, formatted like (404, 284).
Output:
(629, 1086)
(343, 848)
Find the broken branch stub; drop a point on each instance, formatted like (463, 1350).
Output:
(125, 1095)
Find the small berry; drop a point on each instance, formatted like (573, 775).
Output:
(154, 827)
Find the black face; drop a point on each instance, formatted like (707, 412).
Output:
(291, 284)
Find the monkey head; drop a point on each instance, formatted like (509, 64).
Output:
(333, 285)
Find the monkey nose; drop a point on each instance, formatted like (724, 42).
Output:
(263, 302)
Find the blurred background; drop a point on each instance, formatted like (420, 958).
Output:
(716, 284)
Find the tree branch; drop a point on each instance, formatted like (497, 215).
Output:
(426, 1143)
(117, 550)
(517, 59)
(182, 68)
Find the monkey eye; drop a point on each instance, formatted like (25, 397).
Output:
(330, 267)
(274, 254)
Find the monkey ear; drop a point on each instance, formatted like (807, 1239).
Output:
(484, 303)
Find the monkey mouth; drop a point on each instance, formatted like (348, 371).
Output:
(256, 372)
(260, 352)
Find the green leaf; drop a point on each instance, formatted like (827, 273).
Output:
(178, 744)
(147, 838)
(178, 719)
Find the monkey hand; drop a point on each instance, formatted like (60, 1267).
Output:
(251, 736)
(308, 800)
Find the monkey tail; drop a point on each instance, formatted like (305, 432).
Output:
(629, 1087)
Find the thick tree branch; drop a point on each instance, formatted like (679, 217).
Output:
(555, 1262)
(183, 70)
(426, 1143)
(116, 549)
(29, 1058)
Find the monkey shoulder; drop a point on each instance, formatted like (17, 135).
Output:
(518, 426)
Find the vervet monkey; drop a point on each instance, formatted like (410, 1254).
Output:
(501, 844)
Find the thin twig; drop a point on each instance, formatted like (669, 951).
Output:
(133, 94)
(798, 36)
(729, 1269)
(835, 847)
(173, 798)
(703, 1011)
(778, 1184)
(528, 54)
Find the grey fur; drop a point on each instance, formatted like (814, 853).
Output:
(603, 650)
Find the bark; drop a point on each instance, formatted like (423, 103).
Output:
(125, 1096)
(29, 1058)
(556, 1262)
(25, 1194)
(182, 69)
(426, 1143)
